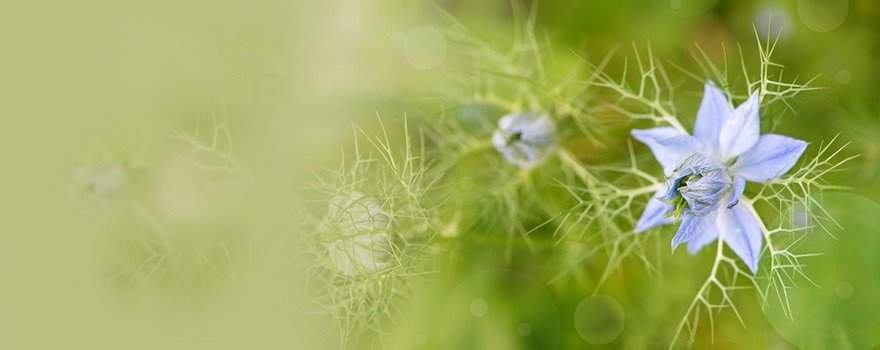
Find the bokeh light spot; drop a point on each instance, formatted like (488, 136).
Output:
(599, 319)
(773, 20)
(823, 15)
(844, 290)
(479, 307)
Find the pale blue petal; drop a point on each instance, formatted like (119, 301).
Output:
(741, 230)
(539, 131)
(741, 130)
(708, 236)
(655, 213)
(771, 157)
(669, 145)
(739, 186)
(714, 110)
(692, 226)
(507, 122)
(708, 233)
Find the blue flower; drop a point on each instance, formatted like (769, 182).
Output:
(525, 140)
(707, 173)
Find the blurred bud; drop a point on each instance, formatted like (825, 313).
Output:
(361, 227)
(525, 140)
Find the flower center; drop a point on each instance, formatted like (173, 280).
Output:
(514, 137)
(698, 186)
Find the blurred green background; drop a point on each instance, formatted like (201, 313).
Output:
(155, 154)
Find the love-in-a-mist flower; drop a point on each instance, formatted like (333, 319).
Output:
(707, 173)
(525, 140)
(360, 226)
(103, 180)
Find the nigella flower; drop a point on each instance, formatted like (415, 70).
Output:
(104, 180)
(361, 225)
(707, 173)
(525, 140)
